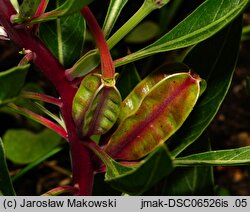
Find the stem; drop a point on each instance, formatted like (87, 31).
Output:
(82, 166)
(40, 119)
(147, 7)
(40, 10)
(108, 70)
(41, 97)
(42, 7)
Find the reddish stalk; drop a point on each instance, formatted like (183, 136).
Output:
(107, 66)
(82, 166)
(41, 97)
(40, 119)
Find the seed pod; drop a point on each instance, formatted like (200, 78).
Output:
(133, 100)
(96, 105)
(160, 113)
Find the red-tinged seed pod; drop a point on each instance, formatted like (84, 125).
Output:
(96, 105)
(159, 115)
(133, 100)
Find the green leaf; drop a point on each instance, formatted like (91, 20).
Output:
(158, 115)
(72, 6)
(114, 10)
(213, 15)
(11, 82)
(67, 8)
(135, 181)
(6, 187)
(65, 37)
(144, 32)
(214, 60)
(28, 8)
(84, 65)
(35, 163)
(187, 180)
(230, 157)
(23, 147)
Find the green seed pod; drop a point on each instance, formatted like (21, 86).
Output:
(96, 105)
(158, 115)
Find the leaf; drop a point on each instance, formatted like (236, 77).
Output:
(230, 157)
(114, 10)
(23, 147)
(209, 18)
(65, 37)
(28, 8)
(11, 82)
(214, 60)
(84, 65)
(153, 168)
(144, 32)
(35, 163)
(186, 181)
(6, 187)
(160, 114)
(67, 8)
(189, 181)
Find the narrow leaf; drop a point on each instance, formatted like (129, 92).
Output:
(114, 10)
(11, 82)
(161, 113)
(24, 147)
(6, 187)
(213, 15)
(215, 61)
(153, 168)
(230, 157)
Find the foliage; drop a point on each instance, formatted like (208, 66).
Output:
(138, 127)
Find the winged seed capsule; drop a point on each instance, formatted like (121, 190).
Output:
(158, 115)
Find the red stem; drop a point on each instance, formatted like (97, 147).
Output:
(82, 166)
(41, 97)
(108, 70)
(40, 119)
